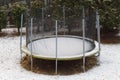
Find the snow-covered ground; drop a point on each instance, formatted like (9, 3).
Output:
(10, 68)
(12, 30)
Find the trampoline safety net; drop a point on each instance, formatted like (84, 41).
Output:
(69, 17)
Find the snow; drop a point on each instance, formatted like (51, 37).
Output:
(10, 68)
(12, 30)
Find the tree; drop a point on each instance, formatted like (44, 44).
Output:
(109, 11)
(2, 17)
(17, 9)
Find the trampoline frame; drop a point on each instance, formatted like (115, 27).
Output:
(87, 54)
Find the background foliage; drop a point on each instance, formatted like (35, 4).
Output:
(17, 9)
(109, 11)
(2, 17)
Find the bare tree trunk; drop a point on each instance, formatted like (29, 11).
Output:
(0, 29)
(18, 30)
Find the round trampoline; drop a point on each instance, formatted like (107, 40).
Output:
(69, 48)
(60, 32)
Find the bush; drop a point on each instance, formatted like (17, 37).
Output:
(110, 15)
(17, 9)
(2, 17)
(109, 11)
(36, 8)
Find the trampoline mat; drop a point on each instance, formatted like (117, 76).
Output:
(67, 47)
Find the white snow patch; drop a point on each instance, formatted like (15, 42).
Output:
(12, 30)
(10, 68)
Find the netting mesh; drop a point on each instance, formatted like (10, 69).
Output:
(7, 2)
(69, 20)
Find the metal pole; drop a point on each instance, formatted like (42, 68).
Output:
(31, 44)
(98, 33)
(21, 35)
(64, 18)
(56, 30)
(45, 3)
(42, 19)
(83, 27)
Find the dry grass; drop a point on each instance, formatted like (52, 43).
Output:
(64, 67)
(110, 39)
(2, 34)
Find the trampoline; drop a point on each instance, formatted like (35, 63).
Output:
(69, 48)
(60, 32)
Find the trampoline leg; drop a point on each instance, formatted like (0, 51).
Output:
(31, 44)
(31, 66)
(98, 58)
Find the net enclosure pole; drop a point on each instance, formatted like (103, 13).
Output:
(64, 23)
(83, 28)
(21, 26)
(45, 3)
(42, 19)
(56, 44)
(98, 32)
(31, 38)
